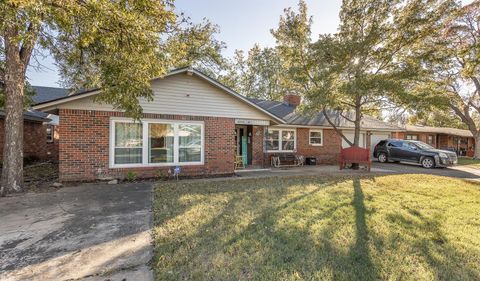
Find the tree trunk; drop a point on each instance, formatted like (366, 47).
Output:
(356, 137)
(12, 170)
(477, 146)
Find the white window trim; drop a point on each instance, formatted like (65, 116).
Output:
(411, 137)
(52, 133)
(145, 123)
(310, 137)
(280, 130)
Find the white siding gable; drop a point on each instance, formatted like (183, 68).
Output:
(183, 94)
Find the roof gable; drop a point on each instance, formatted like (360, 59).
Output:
(184, 92)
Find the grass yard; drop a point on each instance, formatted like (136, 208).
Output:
(400, 227)
(469, 161)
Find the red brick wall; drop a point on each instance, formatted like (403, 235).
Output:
(34, 139)
(84, 146)
(326, 154)
(52, 147)
(421, 137)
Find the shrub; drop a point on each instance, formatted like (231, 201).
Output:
(131, 176)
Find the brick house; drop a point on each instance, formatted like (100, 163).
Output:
(458, 140)
(44, 94)
(193, 122)
(34, 136)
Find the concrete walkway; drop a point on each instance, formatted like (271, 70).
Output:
(90, 232)
(462, 172)
(307, 171)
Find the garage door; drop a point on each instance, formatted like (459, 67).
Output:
(375, 138)
(349, 136)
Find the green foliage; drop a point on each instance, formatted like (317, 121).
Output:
(437, 118)
(452, 62)
(364, 67)
(131, 176)
(195, 45)
(117, 46)
(258, 74)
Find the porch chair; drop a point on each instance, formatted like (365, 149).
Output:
(239, 162)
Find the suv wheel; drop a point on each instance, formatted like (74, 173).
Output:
(382, 157)
(428, 162)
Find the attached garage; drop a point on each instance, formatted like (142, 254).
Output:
(350, 136)
(376, 137)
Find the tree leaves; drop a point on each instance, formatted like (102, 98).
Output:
(369, 64)
(451, 65)
(117, 46)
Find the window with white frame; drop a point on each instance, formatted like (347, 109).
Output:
(280, 140)
(156, 143)
(128, 143)
(411, 137)
(50, 133)
(316, 137)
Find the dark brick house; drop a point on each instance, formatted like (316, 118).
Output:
(458, 140)
(34, 136)
(195, 123)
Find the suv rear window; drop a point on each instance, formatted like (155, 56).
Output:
(395, 144)
(381, 143)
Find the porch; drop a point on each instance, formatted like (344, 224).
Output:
(463, 146)
(249, 139)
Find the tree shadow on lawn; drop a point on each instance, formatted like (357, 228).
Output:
(428, 240)
(274, 230)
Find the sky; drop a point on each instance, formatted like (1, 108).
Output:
(242, 24)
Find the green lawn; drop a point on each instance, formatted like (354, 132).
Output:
(469, 162)
(414, 227)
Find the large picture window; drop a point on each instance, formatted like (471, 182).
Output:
(280, 140)
(155, 143)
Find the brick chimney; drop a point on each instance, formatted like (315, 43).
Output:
(292, 99)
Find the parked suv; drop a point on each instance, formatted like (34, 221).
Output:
(415, 152)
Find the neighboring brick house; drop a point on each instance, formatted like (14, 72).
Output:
(193, 122)
(34, 135)
(44, 94)
(458, 140)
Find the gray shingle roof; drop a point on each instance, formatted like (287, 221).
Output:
(288, 113)
(32, 115)
(438, 130)
(44, 94)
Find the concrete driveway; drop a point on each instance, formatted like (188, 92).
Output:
(88, 232)
(462, 172)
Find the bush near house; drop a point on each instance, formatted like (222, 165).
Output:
(414, 227)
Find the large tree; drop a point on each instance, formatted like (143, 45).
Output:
(436, 118)
(453, 63)
(258, 73)
(366, 65)
(116, 45)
